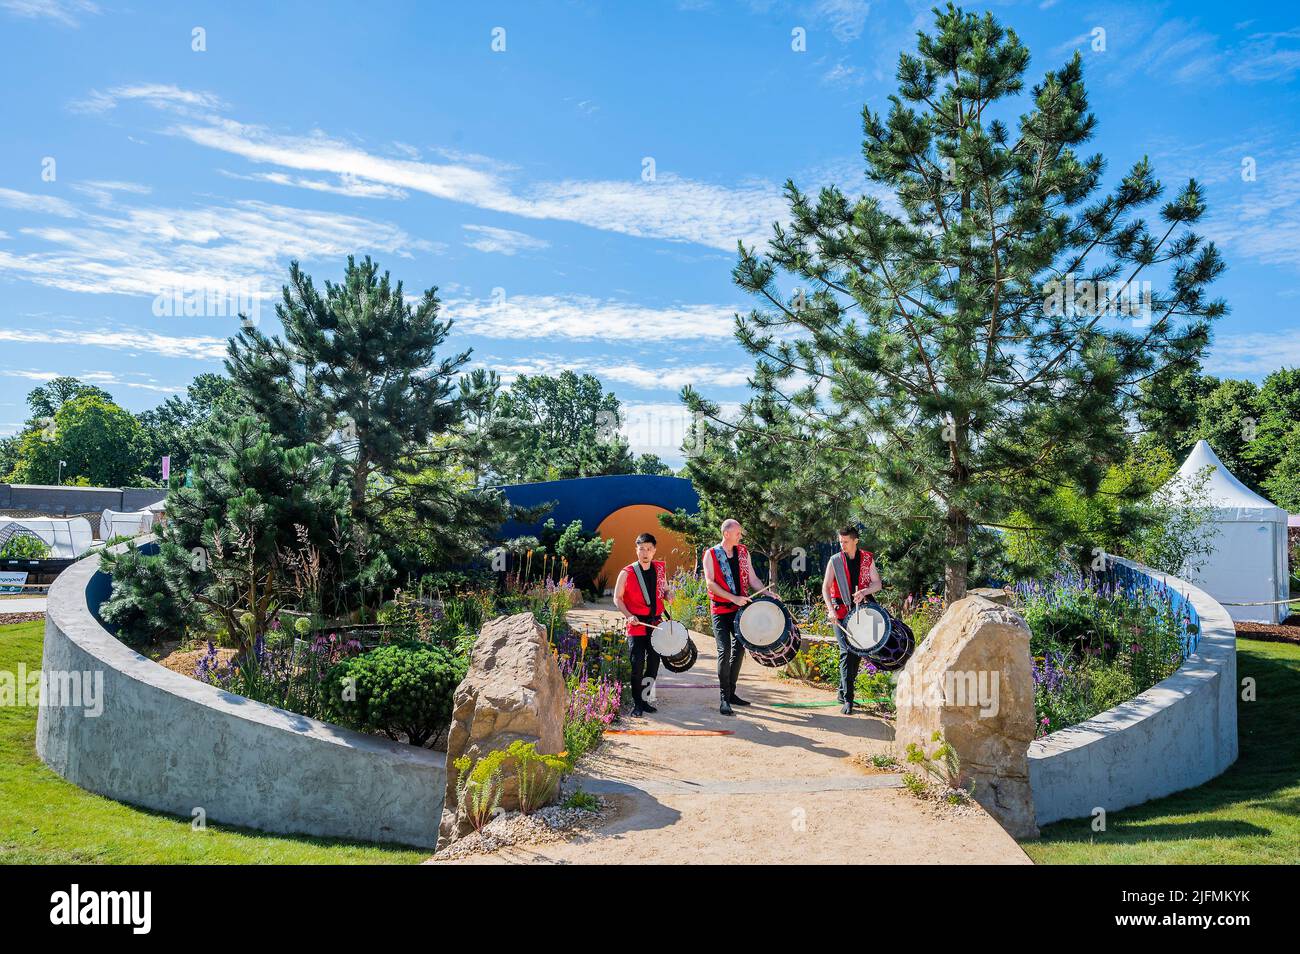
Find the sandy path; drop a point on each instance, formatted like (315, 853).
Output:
(781, 790)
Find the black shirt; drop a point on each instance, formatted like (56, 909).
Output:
(852, 567)
(734, 562)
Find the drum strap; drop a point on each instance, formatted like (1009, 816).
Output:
(650, 602)
(725, 565)
(839, 564)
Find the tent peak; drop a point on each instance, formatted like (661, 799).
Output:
(1221, 489)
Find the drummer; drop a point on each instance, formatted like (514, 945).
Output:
(632, 595)
(857, 568)
(727, 572)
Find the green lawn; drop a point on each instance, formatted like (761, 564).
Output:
(1249, 815)
(45, 820)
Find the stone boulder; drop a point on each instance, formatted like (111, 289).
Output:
(972, 680)
(994, 595)
(513, 690)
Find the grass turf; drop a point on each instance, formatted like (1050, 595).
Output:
(1248, 815)
(45, 820)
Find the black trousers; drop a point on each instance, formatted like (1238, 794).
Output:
(645, 665)
(731, 653)
(849, 663)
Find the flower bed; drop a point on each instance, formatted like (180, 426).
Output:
(1097, 644)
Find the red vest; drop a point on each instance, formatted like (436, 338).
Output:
(634, 599)
(842, 606)
(723, 607)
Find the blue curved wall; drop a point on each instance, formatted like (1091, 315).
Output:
(592, 499)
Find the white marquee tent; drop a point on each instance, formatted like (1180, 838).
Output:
(1248, 563)
(114, 523)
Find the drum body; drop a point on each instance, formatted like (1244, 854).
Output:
(883, 640)
(672, 641)
(766, 628)
(897, 648)
(864, 630)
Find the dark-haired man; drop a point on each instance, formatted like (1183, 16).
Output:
(639, 595)
(851, 577)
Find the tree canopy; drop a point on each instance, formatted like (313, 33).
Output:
(976, 327)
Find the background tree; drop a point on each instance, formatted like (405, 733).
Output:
(176, 427)
(570, 428)
(46, 400)
(102, 445)
(951, 332)
(766, 470)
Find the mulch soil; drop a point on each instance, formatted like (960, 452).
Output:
(1288, 631)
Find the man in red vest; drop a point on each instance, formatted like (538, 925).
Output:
(639, 595)
(854, 571)
(727, 572)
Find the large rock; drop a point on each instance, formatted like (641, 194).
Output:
(972, 680)
(513, 690)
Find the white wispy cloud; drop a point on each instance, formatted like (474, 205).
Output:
(582, 317)
(221, 249)
(846, 18)
(103, 191)
(158, 95)
(348, 185)
(66, 12)
(132, 340)
(844, 76)
(487, 238)
(1255, 354)
(620, 369)
(31, 202)
(667, 206)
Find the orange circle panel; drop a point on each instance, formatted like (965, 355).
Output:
(625, 524)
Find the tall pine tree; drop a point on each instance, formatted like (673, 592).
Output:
(956, 329)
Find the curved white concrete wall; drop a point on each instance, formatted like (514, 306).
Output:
(1180, 733)
(169, 743)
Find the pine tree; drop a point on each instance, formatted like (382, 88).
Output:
(357, 372)
(955, 331)
(765, 470)
(356, 364)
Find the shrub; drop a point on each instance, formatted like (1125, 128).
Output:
(24, 546)
(539, 775)
(478, 790)
(397, 690)
(584, 801)
(144, 604)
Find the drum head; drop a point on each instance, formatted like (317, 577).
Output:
(866, 628)
(669, 638)
(762, 623)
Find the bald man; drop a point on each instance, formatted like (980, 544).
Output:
(727, 573)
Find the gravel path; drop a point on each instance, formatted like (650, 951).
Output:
(784, 789)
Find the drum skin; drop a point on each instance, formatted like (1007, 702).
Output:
(768, 646)
(894, 652)
(669, 638)
(862, 619)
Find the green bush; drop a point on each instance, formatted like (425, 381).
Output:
(145, 605)
(24, 546)
(396, 690)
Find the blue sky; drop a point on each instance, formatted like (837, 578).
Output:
(134, 165)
